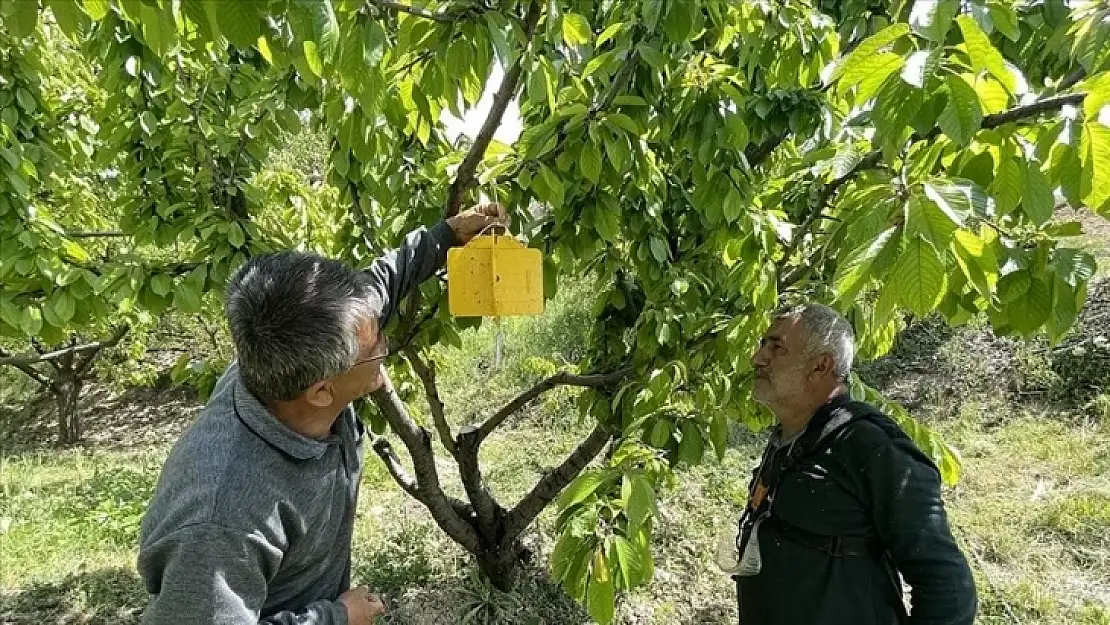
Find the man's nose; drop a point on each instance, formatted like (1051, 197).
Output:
(759, 359)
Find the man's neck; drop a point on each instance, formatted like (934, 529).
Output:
(315, 424)
(795, 419)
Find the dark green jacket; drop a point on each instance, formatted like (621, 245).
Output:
(872, 482)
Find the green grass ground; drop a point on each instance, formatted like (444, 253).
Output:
(1032, 510)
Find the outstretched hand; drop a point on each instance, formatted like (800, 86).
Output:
(467, 224)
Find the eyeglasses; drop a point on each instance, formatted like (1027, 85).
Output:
(383, 352)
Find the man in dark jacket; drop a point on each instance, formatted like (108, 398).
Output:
(252, 518)
(843, 502)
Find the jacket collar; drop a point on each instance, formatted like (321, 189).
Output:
(267, 427)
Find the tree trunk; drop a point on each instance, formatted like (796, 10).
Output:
(501, 565)
(69, 416)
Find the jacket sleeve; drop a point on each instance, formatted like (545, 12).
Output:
(906, 508)
(208, 574)
(398, 272)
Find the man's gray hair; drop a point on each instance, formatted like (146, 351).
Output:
(826, 332)
(294, 318)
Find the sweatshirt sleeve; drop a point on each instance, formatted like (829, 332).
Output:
(906, 508)
(397, 273)
(209, 574)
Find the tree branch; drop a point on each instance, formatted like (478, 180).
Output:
(1069, 81)
(30, 372)
(82, 367)
(464, 176)
(554, 481)
(873, 159)
(426, 373)
(30, 359)
(445, 17)
(97, 234)
(594, 380)
(444, 510)
(381, 446)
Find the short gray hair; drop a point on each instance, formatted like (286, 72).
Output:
(826, 332)
(294, 318)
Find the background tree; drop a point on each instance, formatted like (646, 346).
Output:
(699, 162)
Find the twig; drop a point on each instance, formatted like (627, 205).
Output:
(596, 380)
(97, 234)
(464, 177)
(444, 17)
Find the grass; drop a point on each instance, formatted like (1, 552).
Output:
(1032, 511)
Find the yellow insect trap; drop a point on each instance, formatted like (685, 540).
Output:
(494, 276)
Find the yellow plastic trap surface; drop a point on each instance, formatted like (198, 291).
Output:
(494, 276)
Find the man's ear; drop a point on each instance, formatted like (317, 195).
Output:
(320, 394)
(823, 365)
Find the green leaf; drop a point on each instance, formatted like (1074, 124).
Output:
(920, 277)
(624, 122)
(576, 29)
(974, 261)
(932, 18)
(607, 223)
(96, 9)
(733, 205)
(1065, 310)
(312, 58)
(600, 596)
(75, 252)
(589, 162)
(640, 504)
(869, 47)
(718, 433)
(186, 298)
(1007, 185)
(21, 18)
(1014, 285)
(653, 57)
(895, 105)
(610, 31)
(159, 30)
(692, 447)
(659, 249)
(925, 217)
(235, 235)
(238, 21)
(983, 55)
(148, 122)
(1095, 156)
(26, 101)
(70, 18)
(1031, 310)
(161, 284)
(1005, 20)
(962, 116)
(325, 28)
(31, 321)
(855, 270)
(582, 487)
(660, 433)
(1073, 266)
(1036, 200)
(630, 561)
(1097, 89)
(872, 70)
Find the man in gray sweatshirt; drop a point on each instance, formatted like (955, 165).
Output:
(252, 518)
